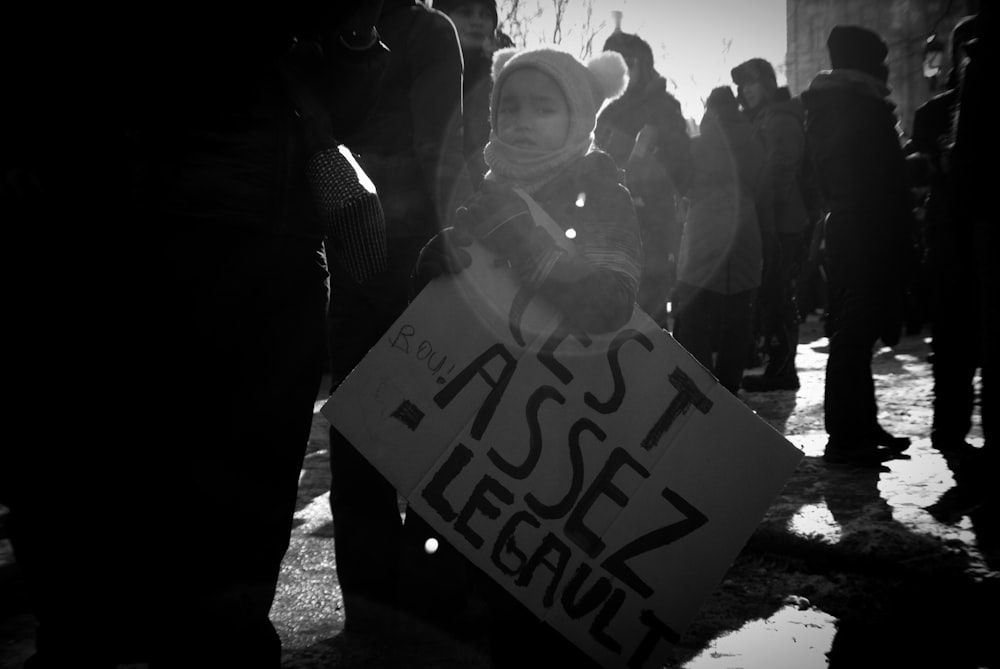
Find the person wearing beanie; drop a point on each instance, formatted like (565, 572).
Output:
(862, 176)
(476, 23)
(779, 126)
(644, 130)
(720, 258)
(543, 111)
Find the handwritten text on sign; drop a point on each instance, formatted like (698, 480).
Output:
(606, 482)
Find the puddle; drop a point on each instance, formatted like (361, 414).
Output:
(815, 520)
(794, 638)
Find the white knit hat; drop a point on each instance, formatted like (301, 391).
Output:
(585, 85)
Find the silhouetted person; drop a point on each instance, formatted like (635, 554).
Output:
(951, 261)
(411, 147)
(976, 217)
(158, 533)
(851, 126)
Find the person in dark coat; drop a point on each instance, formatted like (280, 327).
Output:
(721, 253)
(851, 127)
(646, 133)
(975, 217)
(779, 125)
(152, 531)
(954, 306)
(476, 22)
(411, 147)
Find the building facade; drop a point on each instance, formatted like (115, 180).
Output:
(905, 25)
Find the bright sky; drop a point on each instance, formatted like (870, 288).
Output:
(695, 42)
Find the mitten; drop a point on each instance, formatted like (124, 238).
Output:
(442, 255)
(493, 208)
(352, 216)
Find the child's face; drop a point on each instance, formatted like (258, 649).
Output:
(533, 112)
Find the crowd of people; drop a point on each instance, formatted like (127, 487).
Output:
(264, 196)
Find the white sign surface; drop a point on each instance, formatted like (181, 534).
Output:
(608, 482)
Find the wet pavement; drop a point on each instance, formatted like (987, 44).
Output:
(897, 567)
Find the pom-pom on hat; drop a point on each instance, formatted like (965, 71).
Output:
(585, 85)
(857, 48)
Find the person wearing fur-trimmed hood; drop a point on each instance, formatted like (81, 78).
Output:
(543, 111)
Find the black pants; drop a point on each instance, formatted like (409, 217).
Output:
(777, 306)
(710, 323)
(954, 329)
(381, 563)
(853, 326)
(159, 538)
(366, 518)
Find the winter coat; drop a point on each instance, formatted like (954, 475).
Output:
(597, 286)
(214, 137)
(780, 125)
(731, 212)
(619, 123)
(862, 175)
(655, 179)
(411, 143)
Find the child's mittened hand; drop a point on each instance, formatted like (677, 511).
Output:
(489, 208)
(443, 254)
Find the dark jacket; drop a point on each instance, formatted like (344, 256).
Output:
(731, 207)
(212, 133)
(595, 285)
(411, 144)
(851, 126)
(600, 286)
(780, 125)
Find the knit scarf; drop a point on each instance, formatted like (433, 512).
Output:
(529, 169)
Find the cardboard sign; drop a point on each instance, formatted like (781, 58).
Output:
(606, 481)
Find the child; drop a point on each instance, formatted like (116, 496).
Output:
(543, 111)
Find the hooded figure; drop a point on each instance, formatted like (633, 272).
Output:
(851, 127)
(645, 132)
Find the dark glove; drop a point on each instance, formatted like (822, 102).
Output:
(497, 217)
(443, 254)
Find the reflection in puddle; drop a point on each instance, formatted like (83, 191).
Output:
(815, 520)
(789, 638)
